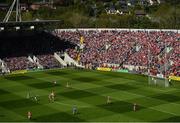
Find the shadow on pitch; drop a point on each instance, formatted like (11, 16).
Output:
(167, 97)
(121, 87)
(77, 94)
(58, 117)
(86, 79)
(56, 73)
(15, 104)
(2, 92)
(119, 107)
(42, 85)
(18, 78)
(171, 119)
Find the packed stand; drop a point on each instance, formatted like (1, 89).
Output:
(48, 61)
(19, 63)
(137, 48)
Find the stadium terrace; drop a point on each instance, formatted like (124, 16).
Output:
(118, 49)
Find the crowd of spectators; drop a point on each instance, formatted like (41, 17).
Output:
(48, 61)
(157, 51)
(22, 63)
(19, 63)
(15, 44)
(138, 48)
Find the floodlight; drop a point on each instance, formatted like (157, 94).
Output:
(32, 27)
(1, 28)
(17, 28)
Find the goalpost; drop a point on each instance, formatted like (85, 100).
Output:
(158, 67)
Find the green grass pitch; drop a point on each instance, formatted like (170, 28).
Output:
(89, 91)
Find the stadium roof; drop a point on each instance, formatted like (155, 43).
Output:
(38, 24)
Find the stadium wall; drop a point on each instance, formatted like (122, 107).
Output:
(174, 78)
(116, 29)
(132, 67)
(19, 72)
(104, 69)
(111, 69)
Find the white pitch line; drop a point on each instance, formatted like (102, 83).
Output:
(71, 105)
(164, 111)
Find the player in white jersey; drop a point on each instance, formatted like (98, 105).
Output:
(134, 107)
(108, 100)
(67, 85)
(51, 96)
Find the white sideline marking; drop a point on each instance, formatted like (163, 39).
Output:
(163, 111)
(71, 105)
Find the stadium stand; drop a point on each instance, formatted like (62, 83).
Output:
(19, 63)
(18, 48)
(48, 61)
(121, 48)
(126, 48)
